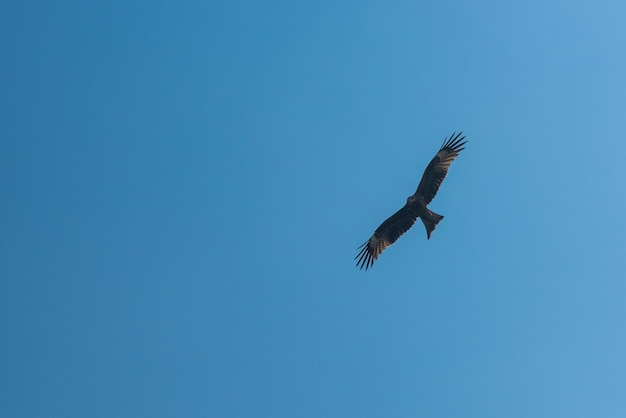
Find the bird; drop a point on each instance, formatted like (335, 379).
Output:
(416, 205)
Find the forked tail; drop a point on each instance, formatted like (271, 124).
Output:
(430, 219)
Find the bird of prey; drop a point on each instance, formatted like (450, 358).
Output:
(416, 205)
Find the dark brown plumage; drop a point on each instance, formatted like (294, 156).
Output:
(416, 205)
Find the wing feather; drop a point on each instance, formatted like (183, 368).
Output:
(438, 167)
(386, 234)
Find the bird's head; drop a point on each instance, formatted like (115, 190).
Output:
(410, 199)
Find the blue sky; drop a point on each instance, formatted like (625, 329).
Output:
(185, 185)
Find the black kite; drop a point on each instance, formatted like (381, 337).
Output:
(416, 205)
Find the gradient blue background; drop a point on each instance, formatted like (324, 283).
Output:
(184, 186)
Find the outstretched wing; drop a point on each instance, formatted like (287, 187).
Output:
(438, 168)
(386, 234)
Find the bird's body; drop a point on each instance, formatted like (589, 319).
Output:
(416, 205)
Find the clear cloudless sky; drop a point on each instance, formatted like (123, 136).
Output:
(184, 185)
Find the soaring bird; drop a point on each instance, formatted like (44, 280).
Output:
(416, 205)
